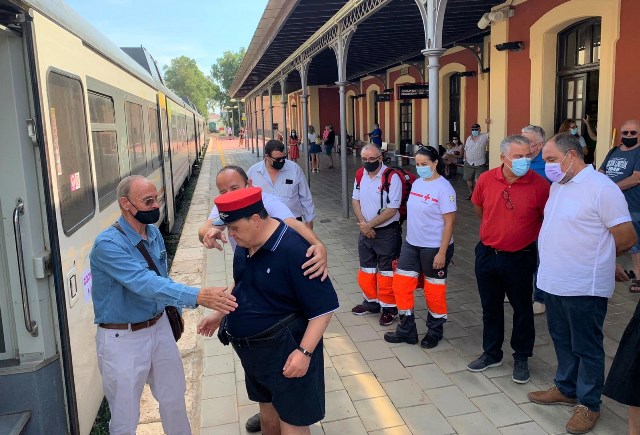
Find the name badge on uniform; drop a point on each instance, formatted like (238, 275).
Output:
(287, 181)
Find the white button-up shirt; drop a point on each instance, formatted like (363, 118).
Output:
(577, 250)
(369, 195)
(475, 151)
(290, 186)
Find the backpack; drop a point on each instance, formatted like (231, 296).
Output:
(407, 179)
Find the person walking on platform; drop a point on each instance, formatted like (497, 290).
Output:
(428, 249)
(510, 202)
(380, 235)
(277, 328)
(586, 214)
(284, 179)
(132, 296)
(294, 146)
(375, 137)
(329, 143)
(474, 155)
(536, 136)
(314, 149)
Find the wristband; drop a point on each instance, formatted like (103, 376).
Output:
(305, 352)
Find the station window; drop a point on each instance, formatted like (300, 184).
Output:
(72, 164)
(105, 147)
(135, 136)
(156, 154)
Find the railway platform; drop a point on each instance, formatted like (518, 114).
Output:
(373, 387)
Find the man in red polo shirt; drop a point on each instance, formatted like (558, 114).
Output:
(510, 202)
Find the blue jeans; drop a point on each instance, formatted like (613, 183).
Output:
(575, 325)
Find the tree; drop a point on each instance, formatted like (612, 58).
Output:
(187, 80)
(222, 73)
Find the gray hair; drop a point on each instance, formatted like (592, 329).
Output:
(371, 146)
(124, 186)
(534, 129)
(566, 142)
(506, 143)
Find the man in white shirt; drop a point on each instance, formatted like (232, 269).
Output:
(587, 214)
(380, 234)
(475, 157)
(285, 179)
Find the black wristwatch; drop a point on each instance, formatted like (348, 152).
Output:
(304, 351)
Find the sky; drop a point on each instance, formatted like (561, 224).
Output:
(199, 29)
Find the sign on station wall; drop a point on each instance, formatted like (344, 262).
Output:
(384, 97)
(411, 91)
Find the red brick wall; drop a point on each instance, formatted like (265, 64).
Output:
(329, 108)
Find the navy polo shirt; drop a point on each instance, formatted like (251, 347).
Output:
(270, 285)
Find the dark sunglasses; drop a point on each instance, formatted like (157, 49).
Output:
(629, 132)
(278, 159)
(475, 129)
(505, 195)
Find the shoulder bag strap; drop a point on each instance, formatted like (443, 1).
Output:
(142, 249)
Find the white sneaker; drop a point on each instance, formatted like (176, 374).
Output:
(538, 308)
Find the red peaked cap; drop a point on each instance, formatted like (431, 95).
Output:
(239, 204)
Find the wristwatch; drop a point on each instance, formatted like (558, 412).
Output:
(304, 351)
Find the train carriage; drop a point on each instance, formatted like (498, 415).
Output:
(77, 115)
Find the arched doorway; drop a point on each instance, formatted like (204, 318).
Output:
(578, 75)
(454, 106)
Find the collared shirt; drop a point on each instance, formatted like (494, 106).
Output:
(505, 227)
(274, 206)
(368, 194)
(270, 285)
(475, 151)
(125, 289)
(290, 186)
(577, 250)
(537, 165)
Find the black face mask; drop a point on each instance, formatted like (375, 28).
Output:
(277, 165)
(147, 217)
(629, 141)
(371, 166)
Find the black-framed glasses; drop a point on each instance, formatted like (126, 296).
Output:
(148, 201)
(507, 198)
(370, 159)
(278, 159)
(475, 129)
(629, 132)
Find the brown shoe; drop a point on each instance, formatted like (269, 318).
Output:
(583, 420)
(552, 396)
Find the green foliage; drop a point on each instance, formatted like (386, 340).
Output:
(185, 79)
(223, 72)
(101, 425)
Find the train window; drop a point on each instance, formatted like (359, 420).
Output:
(105, 147)
(156, 155)
(135, 136)
(165, 133)
(175, 140)
(71, 151)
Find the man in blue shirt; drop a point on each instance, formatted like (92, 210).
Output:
(281, 316)
(536, 135)
(376, 135)
(134, 340)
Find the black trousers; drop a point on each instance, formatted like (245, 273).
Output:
(511, 273)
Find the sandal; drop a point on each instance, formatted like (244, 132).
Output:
(635, 286)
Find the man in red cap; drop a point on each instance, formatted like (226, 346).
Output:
(281, 315)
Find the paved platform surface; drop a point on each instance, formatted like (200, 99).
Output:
(373, 387)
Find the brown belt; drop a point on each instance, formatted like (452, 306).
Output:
(134, 326)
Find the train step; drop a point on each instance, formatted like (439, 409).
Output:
(13, 424)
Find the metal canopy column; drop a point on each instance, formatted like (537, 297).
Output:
(303, 69)
(271, 111)
(263, 135)
(341, 49)
(434, 87)
(283, 88)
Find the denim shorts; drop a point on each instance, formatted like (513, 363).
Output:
(298, 401)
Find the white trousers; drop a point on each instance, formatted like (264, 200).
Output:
(127, 360)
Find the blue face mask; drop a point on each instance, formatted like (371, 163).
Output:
(475, 133)
(424, 171)
(574, 131)
(520, 166)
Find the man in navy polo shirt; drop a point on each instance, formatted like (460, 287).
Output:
(277, 327)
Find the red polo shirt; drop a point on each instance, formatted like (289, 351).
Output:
(505, 227)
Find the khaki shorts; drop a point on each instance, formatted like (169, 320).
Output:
(472, 172)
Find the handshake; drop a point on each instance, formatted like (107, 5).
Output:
(217, 298)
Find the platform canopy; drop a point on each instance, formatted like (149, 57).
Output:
(391, 33)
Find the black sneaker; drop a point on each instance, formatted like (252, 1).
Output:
(483, 363)
(253, 424)
(429, 341)
(366, 307)
(388, 316)
(520, 372)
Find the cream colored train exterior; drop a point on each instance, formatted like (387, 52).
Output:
(76, 115)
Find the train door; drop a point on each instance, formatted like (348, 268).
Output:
(31, 374)
(166, 163)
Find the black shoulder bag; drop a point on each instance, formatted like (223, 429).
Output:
(175, 320)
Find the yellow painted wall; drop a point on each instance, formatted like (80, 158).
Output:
(498, 93)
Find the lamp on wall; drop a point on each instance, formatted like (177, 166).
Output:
(495, 16)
